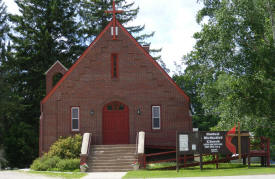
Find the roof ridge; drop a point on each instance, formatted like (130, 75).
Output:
(154, 61)
(94, 42)
(57, 61)
(75, 64)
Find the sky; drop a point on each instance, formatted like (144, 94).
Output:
(173, 21)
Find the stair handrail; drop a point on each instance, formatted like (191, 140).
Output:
(141, 142)
(140, 149)
(85, 147)
(137, 143)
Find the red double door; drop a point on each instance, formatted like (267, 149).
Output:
(115, 124)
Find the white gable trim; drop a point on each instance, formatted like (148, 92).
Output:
(54, 65)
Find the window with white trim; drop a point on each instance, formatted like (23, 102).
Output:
(75, 118)
(155, 117)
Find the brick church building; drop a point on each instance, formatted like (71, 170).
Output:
(114, 90)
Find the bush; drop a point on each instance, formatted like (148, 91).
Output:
(207, 158)
(272, 151)
(45, 163)
(68, 164)
(62, 156)
(66, 148)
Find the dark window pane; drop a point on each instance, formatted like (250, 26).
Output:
(74, 112)
(56, 78)
(109, 107)
(121, 107)
(156, 111)
(75, 124)
(156, 123)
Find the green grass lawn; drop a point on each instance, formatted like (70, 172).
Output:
(60, 174)
(209, 170)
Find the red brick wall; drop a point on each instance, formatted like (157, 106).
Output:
(55, 69)
(140, 85)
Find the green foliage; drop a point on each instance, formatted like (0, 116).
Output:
(43, 32)
(45, 163)
(54, 163)
(272, 151)
(66, 148)
(4, 29)
(68, 164)
(225, 169)
(207, 158)
(233, 64)
(94, 20)
(62, 156)
(189, 82)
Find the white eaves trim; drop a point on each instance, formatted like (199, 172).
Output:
(54, 65)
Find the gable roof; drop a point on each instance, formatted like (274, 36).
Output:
(92, 45)
(57, 62)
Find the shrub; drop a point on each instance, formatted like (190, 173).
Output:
(68, 164)
(66, 148)
(62, 156)
(207, 158)
(45, 163)
(272, 151)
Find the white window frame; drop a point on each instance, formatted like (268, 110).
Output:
(72, 118)
(153, 117)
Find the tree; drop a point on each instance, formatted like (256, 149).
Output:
(235, 53)
(190, 82)
(4, 29)
(44, 32)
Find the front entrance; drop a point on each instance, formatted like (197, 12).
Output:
(115, 123)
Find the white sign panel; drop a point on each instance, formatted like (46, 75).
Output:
(194, 147)
(183, 142)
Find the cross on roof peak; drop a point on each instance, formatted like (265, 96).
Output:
(114, 11)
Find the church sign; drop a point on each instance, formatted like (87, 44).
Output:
(188, 142)
(212, 142)
(209, 142)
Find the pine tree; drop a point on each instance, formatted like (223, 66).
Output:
(3, 34)
(44, 32)
(5, 92)
(4, 28)
(94, 20)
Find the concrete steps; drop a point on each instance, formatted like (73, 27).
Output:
(112, 158)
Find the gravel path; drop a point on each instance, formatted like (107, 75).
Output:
(116, 175)
(22, 175)
(105, 175)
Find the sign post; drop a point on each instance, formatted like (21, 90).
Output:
(177, 152)
(211, 143)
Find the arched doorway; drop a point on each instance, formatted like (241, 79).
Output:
(115, 123)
